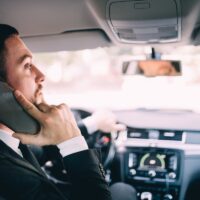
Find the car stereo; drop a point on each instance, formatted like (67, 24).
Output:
(159, 165)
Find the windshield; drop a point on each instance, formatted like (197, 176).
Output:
(93, 79)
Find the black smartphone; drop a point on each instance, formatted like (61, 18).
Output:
(13, 115)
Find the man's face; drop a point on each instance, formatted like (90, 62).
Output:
(21, 73)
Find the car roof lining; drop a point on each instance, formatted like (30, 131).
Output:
(71, 25)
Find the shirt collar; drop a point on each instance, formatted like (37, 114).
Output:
(12, 142)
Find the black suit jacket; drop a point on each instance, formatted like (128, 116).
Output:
(50, 153)
(21, 180)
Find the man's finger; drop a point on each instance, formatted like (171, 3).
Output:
(43, 107)
(119, 127)
(40, 99)
(31, 139)
(28, 106)
(25, 138)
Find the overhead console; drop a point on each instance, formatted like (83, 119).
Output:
(145, 21)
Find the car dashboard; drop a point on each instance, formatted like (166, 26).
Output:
(158, 153)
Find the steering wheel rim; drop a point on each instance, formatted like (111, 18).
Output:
(108, 151)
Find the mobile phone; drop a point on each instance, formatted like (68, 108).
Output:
(13, 115)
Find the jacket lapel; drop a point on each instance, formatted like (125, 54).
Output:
(7, 153)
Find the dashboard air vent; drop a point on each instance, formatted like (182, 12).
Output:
(171, 135)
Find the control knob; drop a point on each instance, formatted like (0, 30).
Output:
(168, 197)
(132, 172)
(172, 175)
(152, 173)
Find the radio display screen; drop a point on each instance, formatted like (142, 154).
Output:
(153, 161)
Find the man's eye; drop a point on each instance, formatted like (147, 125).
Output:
(28, 66)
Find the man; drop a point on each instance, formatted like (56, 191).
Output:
(20, 175)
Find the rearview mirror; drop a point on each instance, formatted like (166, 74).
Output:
(151, 68)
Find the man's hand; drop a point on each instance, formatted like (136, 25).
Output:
(57, 123)
(106, 121)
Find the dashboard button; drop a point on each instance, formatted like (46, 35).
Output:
(132, 161)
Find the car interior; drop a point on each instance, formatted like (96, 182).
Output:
(147, 48)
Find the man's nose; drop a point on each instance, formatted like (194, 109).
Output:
(40, 77)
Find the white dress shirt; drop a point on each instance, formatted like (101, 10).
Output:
(77, 144)
(12, 142)
(67, 147)
(73, 145)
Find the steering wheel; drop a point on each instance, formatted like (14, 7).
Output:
(99, 140)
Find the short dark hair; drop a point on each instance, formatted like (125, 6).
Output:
(6, 31)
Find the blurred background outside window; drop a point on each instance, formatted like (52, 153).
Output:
(93, 79)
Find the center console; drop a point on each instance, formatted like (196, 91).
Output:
(154, 172)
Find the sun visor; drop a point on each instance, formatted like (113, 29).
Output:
(145, 21)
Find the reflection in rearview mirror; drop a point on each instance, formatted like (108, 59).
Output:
(151, 68)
